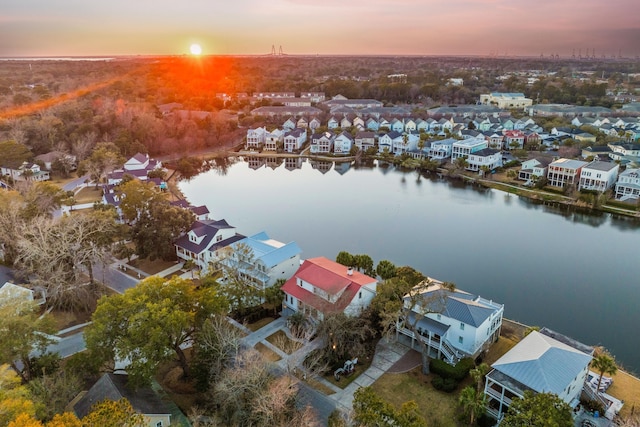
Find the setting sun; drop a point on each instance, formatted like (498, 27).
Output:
(195, 49)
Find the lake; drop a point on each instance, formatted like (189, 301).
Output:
(576, 273)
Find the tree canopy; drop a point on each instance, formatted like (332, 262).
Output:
(540, 410)
(150, 324)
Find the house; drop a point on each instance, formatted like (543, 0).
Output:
(465, 147)
(206, 242)
(506, 100)
(386, 141)
(494, 139)
(201, 212)
(598, 176)
(628, 185)
(452, 323)
(314, 124)
(49, 158)
(442, 149)
(273, 139)
(255, 138)
(407, 142)
(422, 125)
(487, 157)
(322, 142)
(513, 139)
(564, 172)
(262, 260)
(543, 362)
(321, 287)
(15, 294)
(313, 96)
(358, 123)
(290, 123)
(342, 143)
(143, 400)
(410, 126)
(333, 123)
(533, 169)
(365, 140)
(620, 150)
(345, 123)
(397, 125)
(596, 151)
(294, 139)
(372, 124)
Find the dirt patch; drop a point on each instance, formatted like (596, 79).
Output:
(260, 323)
(513, 330)
(66, 319)
(412, 359)
(283, 342)
(267, 353)
(88, 195)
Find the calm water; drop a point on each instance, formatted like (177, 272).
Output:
(577, 274)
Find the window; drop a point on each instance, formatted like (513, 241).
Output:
(159, 424)
(360, 295)
(460, 339)
(461, 326)
(439, 317)
(218, 238)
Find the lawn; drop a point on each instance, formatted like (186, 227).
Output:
(151, 267)
(438, 408)
(267, 353)
(345, 380)
(88, 195)
(260, 323)
(66, 319)
(627, 388)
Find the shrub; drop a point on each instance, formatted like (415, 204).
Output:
(457, 372)
(447, 385)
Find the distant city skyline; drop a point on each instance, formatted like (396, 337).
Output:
(354, 27)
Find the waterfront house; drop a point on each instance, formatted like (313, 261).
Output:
(543, 362)
(255, 138)
(452, 323)
(442, 149)
(294, 139)
(387, 140)
(322, 142)
(487, 157)
(321, 287)
(598, 176)
(273, 139)
(342, 143)
(564, 172)
(407, 142)
(628, 185)
(532, 169)
(113, 387)
(465, 147)
(201, 212)
(261, 261)
(206, 242)
(365, 140)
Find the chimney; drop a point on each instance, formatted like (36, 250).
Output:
(349, 271)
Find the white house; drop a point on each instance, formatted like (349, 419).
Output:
(262, 260)
(451, 323)
(564, 172)
(387, 142)
(322, 142)
(321, 287)
(273, 139)
(294, 140)
(289, 124)
(620, 151)
(465, 147)
(533, 169)
(489, 157)
(543, 362)
(26, 172)
(255, 138)
(628, 185)
(137, 166)
(206, 242)
(599, 176)
(407, 142)
(365, 140)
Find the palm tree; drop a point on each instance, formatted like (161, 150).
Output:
(478, 374)
(473, 402)
(604, 364)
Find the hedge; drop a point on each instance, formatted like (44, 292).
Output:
(458, 372)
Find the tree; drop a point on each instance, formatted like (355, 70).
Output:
(478, 373)
(23, 330)
(11, 223)
(14, 154)
(345, 258)
(109, 413)
(42, 198)
(59, 254)
(473, 402)
(104, 159)
(604, 363)
(52, 393)
(538, 409)
(363, 263)
(386, 269)
(371, 410)
(460, 163)
(14, 397)
(150, 323)
(344, 337)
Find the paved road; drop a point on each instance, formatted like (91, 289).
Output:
(68, 346)
(71, 185)
(114, 278)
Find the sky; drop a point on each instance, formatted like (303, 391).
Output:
(319, 27)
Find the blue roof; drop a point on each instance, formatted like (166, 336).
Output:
(269, 251)
(543, 363)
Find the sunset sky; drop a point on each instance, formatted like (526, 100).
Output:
(405, 27)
